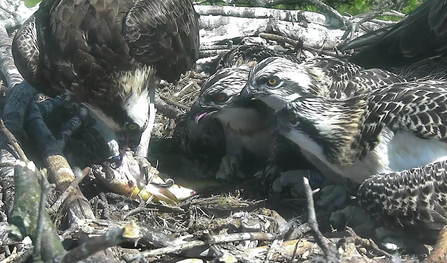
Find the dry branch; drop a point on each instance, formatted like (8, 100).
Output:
(439, 253)
(7, 66)
(329, 251)
(26, 212)
(56, 205)
(11, 140)
(314, 36)
(95, 227)
(111, 238)
(181, 246)
(221, 25)
(266, 13)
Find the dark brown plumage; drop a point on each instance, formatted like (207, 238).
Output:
(422, 34)
(104, 52)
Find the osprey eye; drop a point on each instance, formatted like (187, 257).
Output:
(272, 81)
(132, 126)
(221, 97)
(292, 118)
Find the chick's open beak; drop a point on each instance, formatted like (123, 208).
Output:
(198, 112)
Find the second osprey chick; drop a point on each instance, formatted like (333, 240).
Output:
(391, 129)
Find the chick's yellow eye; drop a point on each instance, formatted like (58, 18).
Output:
(132, 126)
(272, 81)
(221, 98)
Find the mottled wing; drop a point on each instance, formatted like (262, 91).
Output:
(26, 53)
(432, 68)
(244, 54)
(418, 107)
(337, 70)
(164, 33)
(83, 46)
(415, 199)
(363, 82)
(230, 81)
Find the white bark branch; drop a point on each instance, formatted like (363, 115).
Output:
(14, 12)
(265, 13)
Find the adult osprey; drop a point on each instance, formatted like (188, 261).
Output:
(108, 54)
(383, 134)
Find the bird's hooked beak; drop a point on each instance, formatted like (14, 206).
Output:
(198, 112)
(134, 136)
(282, 125)
(245, 94)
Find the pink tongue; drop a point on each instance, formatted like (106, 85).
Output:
(200, 116)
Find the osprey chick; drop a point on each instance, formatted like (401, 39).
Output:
(277, 81)
(245, 123)
(108, 54)
(395, 128)
(244, 126)
(392, 140)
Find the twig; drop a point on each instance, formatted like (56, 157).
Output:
(197, 243)
(7, 66)
(45, 188)
(208, 46)
(174, 103)
(364, 18)
(26, 209)
(13, 141)
(278, 38)
(210, 53)
(138, 210)
(329, 251)
(439, 253)
(162, 105)
(55, 207)
(252, 12)
(325, 8)
(393, 13)
(373, 13)
(109, 239)
(294, 251)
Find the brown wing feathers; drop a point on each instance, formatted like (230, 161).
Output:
(169, 40)
(79, 39)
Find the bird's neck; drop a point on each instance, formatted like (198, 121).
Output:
(135, 81)
(319, 82)
(334, 129)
